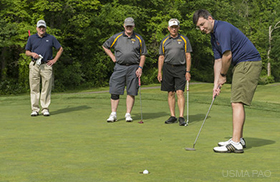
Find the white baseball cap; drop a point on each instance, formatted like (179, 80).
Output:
(41, 23)
(173, 22)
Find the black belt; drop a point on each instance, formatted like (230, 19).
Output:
(129, 64)
(175, 65)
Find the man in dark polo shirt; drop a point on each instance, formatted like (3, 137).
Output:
(130, 54)
(40, 47)
(231, 46)
(174, 65)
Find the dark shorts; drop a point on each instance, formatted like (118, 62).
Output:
(173, 77)
(124, 76)
(244, 81)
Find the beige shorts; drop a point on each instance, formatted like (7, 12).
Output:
(244, 81)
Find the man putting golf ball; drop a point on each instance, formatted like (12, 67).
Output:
(231, 46)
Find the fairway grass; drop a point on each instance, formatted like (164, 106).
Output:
(76, 144)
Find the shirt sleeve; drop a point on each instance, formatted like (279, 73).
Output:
(56, 44)
(160, 51)
(28, 45)
(189, 46)
(224, 38)
(108, 43)
(143, 48)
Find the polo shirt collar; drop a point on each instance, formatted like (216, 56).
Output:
(174, 37)
(41, 37)
(215, 26)
(133, 35)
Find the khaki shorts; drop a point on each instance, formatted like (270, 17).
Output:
(244, 81)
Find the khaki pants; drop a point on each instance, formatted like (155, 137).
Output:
(36, 74)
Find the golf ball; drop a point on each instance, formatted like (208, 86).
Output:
(145, 171)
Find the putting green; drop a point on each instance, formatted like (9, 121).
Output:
(76, 144)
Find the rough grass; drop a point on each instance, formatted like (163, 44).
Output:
(76, 144)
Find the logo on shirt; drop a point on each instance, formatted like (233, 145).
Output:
(47, 40)
(179, 41)
(133, 40)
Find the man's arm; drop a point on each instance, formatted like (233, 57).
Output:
(57, 56)
(141, 64)
(32, 54)
(226, 61)
(221, 67)
(160, 65)
(188, 68)
(110, 54)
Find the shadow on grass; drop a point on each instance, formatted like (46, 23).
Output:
(147, 116)
(198, 117)
(70, 109)
(257, 142)
(154, 116)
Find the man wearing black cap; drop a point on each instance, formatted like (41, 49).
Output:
(130, 54)
(40, 47)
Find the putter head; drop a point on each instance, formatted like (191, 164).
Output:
(190, 149)
(141, 122)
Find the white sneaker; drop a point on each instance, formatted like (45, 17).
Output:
(34, 113)
(112, 118)
(231, 147)
(128, 117)
(46, 113)
(242, 141)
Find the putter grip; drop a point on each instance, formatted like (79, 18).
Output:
(139, 81)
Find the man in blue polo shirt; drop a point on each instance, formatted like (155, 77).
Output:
(130, 55)
(231, 46)
(40, 47)
(174, 65)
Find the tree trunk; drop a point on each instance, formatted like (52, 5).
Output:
(3, 64)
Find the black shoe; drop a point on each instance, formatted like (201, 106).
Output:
(182, 121)
(171, 120)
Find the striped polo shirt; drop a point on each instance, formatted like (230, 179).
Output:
(128, 50)
(175, 49)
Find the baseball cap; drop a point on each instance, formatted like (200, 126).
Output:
(173, 22)
(129, 22)
(41, 23)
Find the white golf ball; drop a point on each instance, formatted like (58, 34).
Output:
(145, 171)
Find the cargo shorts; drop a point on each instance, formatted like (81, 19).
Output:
(124, 75)
(244, 81)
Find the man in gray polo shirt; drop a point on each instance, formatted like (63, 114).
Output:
(130, 54)
(174, 64)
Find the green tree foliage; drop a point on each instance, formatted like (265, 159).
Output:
(82, 26)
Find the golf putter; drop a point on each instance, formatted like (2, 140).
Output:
(193, 149)
(139, 81)
(188, 84)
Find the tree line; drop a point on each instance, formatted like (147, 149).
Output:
(82, 26)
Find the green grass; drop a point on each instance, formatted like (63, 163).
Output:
(76, 144)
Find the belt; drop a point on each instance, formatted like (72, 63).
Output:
(129, 64)
(175, 65)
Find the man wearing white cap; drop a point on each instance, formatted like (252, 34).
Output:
(40, 47)
(174, 64)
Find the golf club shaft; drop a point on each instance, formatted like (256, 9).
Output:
(139, 80)
(204, 121)
(188, 102)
